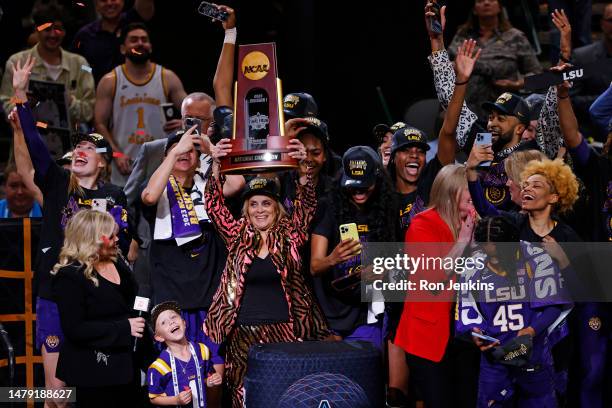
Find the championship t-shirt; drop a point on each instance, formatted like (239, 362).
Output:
(342, 308)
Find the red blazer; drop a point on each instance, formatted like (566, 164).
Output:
(424, 327)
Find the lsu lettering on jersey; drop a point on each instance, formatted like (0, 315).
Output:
(137, 115)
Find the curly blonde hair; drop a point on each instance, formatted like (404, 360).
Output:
(83, 239)
(561, 179)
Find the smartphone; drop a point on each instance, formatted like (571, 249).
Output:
(485, 337)
(349, 231)
(487, 140)
(435, 23)
(189, 122)
(209, 10)
(98, 204)
(169, 111)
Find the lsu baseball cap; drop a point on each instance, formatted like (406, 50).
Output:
(162, 307)
(317, 127)
(102, 145)
(299, 105)
(515, 352)
(360, 166)
(510, 104)
(382, 129)
(408, 136)
(261, 186)
(173, 138)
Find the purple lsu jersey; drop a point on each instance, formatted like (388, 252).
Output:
(506, 307)
(159, 374)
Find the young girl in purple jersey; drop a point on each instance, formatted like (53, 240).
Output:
(525, 318)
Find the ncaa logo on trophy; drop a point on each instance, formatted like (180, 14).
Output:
(259, 143)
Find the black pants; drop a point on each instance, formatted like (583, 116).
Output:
(452, 382)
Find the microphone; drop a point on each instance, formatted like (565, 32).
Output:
(141, 304)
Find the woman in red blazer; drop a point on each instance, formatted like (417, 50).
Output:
(424, 328)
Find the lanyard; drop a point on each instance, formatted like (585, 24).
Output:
(198, 374)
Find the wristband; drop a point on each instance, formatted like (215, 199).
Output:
(230, 36)
(462, 83)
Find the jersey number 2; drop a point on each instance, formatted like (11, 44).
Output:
(509, 317)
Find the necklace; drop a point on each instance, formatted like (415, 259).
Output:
(183, 367)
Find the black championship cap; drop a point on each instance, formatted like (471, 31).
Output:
(102, 145)
(223, 123)
(317, 127)
(65, 159)
(360, 166)
(515, 352)
(382, 129)
(162, 307)
(299, 105)
(408, 136)
(510, 104)
(173, 138)
(261, 186)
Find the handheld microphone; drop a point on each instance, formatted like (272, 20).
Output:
(141, 304)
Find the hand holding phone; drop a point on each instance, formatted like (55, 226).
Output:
(434, 19)
(485, 337)
(212, 11)
(484, 139)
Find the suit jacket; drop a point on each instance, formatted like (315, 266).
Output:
(424, 327)
(585, 92)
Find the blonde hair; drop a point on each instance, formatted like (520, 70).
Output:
(446, 192)
(82, 241)
(561, 179)
(516, 162)
(280, 209)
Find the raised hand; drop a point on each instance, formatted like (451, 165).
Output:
(14, 120)
(430, 13)
(221, 149)
(562, 23)
(231, 20)
(296, 149)
(467, 55)
(187, 141)
(564, 87)
(21, 76)
(294, 126)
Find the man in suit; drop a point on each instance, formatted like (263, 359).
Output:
(585, 92)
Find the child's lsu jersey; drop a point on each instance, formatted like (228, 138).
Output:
(159, 375)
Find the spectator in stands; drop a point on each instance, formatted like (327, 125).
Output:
(425, 326)
(263, 296)
(535, 103)
(364, 196)
(121, 104)
(585, 92)
(579, 13)
(601, 112)
(52, 63)
(19, 201)
(65, 193)
(99, 42)
(506, 54)
(95, 294)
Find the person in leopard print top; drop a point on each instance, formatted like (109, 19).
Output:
(263, 296)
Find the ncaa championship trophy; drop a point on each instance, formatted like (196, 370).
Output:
(259, 144)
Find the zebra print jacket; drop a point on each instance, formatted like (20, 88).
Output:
(284, 242)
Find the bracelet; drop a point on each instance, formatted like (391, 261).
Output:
(230, 36)
(462, 83)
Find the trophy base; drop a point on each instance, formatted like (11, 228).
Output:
(273, 159)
